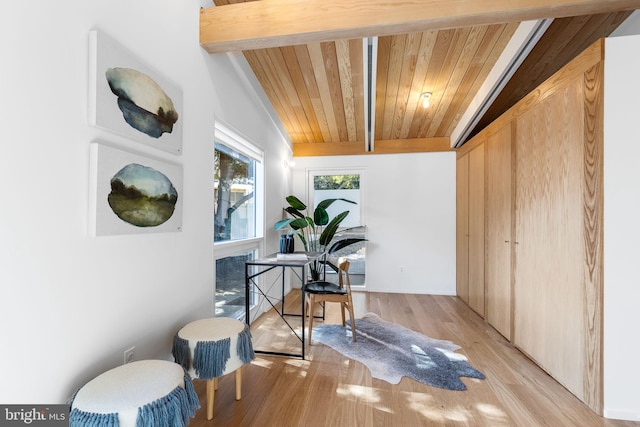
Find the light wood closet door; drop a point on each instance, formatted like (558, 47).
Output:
(476, 230)
(550, 256)
(499, 228)
(462, 228)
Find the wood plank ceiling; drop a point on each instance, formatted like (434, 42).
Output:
(319, 90)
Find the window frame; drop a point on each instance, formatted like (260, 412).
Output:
(312, 172)
(355, 170)
(236, 141)
(241, 144)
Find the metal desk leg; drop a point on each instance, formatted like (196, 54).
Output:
(303, 303)
(246, 295)
(282, 303)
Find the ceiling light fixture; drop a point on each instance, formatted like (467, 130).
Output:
(425, 99)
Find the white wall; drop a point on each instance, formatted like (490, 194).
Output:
(71, 304)
(621, 248)
(410, 218)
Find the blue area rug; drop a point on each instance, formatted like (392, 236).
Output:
(391, 351)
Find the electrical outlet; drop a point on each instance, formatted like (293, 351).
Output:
(129, 355)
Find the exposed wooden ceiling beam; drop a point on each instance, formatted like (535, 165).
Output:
(275, 23)
(395, 146)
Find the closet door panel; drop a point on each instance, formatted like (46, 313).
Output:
(462, 228)
(548, 280)
(476, 230)
(499, 225)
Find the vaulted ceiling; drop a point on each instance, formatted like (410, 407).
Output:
(347, 77)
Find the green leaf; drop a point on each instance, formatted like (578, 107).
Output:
(331, 229)
(303, 240)
(298, 223)
(310, 221)
(295, 203)
(320, 216)
(330, 264)
(294, 212)
(282, 224)
(328, 202)
(344, 243)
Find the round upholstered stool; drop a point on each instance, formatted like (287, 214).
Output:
(149, 393)
(210, 348)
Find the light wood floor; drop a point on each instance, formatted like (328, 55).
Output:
(328, 389)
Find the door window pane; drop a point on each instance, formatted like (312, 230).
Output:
(339, 187)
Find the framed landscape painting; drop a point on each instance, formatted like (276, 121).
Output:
(127, 97)
(132, 193)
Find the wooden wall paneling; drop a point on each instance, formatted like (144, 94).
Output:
(357, 79)
(462, 228)
(317, 61)
(593, 236)
(423, 62)
(456, 45)
(434, 80)
(345, 69)
(394, 72)
(556, 256)
(330, 57)
(404, 82)
(438, 53)
(382, 71)
(274, 62)
(259, 63)
(574, 69)
(558, 46)
(494, 42)
(459, 81)
(549, 283)
(287, 66)
(296, 73)
(499, 229)
(476, 230)
(317, 117)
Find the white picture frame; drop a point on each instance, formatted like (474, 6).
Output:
(129, 98)
(106, 215)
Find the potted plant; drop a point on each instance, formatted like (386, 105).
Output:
(316, 233)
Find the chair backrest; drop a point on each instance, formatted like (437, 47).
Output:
(343, 274)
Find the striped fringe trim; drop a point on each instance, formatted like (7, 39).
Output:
(244, 348)
(181, 352)
(79, 418)
(173, 410)
(210, 358)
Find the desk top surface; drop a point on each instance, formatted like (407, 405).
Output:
(296, 259)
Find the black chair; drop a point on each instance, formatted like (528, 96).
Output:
(322, 291)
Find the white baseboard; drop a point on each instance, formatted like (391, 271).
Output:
(617, 414)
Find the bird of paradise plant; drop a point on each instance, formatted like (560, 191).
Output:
(315, 233)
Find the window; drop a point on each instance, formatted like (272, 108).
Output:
(237, 218)
(230, 282)
(339, 187)
(344, 184)
(234, 187)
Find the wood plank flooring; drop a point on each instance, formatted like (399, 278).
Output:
(328, 389)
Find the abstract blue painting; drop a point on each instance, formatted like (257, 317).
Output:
(132, 193)
(129, 98)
